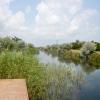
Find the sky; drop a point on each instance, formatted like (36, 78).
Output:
(44, 22)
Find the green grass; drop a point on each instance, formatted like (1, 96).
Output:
(94, 59)
(70, 55)
(44, 83)
(16, 65)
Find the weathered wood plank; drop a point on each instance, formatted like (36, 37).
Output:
(13, 89)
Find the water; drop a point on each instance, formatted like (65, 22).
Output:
(90, 88)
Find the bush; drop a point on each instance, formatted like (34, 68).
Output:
(87, 49)
(30, 49)
(72, 55)
(98, 46)
(94, 59)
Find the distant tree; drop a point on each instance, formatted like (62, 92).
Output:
(21, 45)
(98, 46)
(31, 49)
(16, 39)
(87, 49)
(7, 43)
(66, 46)
(77, 44)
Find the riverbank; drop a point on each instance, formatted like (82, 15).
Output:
(40, 78)
(74, 56)
(16, 65)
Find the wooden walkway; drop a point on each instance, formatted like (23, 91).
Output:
(13, 89)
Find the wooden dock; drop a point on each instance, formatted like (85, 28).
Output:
(13, 89)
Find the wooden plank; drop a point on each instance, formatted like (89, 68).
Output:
(13, 89)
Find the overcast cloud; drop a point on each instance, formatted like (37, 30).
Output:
(51, 21)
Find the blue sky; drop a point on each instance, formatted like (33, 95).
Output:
(44, 22)
(21, 5)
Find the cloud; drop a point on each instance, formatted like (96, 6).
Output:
(58, 19)
(28, 9)
(55, 20)
(9, 21)
(81, 19)
(5, 2)
(16, 21)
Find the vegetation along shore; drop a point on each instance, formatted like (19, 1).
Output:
(78, 52)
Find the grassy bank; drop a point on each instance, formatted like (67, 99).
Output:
(94, 59)
(74, 56)
(15, 65)
(44, 83)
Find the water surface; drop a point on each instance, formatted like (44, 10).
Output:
(90, 89)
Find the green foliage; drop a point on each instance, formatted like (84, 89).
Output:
(15, 65)
(70, 56)
(62, 48)
(11, 44)
(40, 80)
(6, 43)
(30, 49)
(16, 44)
(70, 52)
(94, 59)
(98, 46)
(77, 45)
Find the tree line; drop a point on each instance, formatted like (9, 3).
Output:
(83, 49)
(77, 45)
(16, 44)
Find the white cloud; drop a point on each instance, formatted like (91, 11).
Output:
(3, 2)
(60, 18)
(80, 20)
(55, 20)
(16, 21)
(10, 22)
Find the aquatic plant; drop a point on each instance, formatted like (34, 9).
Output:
(61, 82)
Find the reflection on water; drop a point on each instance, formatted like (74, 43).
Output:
(89, 89)
(49, 59)
(62, 81)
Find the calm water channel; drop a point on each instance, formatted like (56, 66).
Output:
(90, 89)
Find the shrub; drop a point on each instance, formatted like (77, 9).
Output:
(94, 59)
(87, 49)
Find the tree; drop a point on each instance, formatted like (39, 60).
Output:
(10, 43)
(16, 39)
(31, 49)
(66, 46)
(87, 49)
(98, 46)
(6, 43)
(77, 44)
(20, 45)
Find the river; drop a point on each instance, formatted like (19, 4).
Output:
(90, 90)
